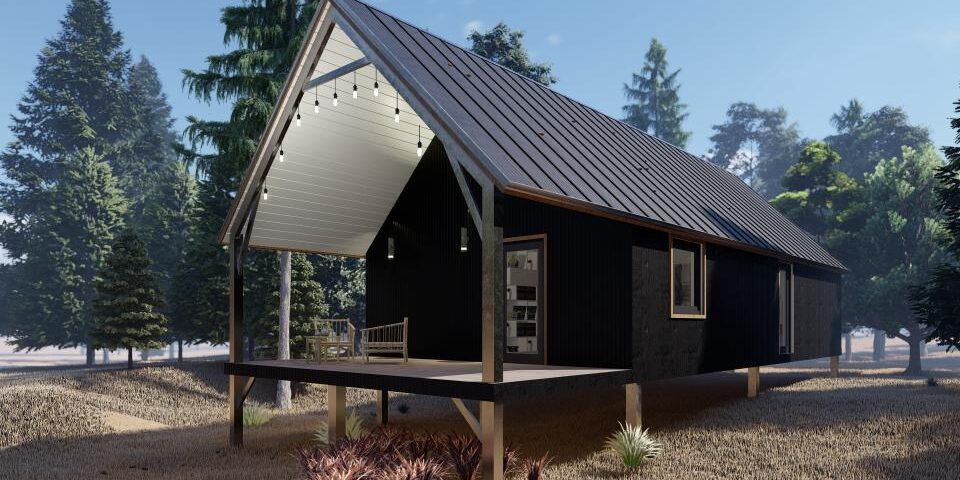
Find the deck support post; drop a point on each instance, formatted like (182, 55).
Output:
(491, 427)
(753, 381)
(336, 412)
(383, 407)
(835, 366)
(633, 416)
(237, 384)
(492, 303)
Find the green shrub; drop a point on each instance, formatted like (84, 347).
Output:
(355, 429)
(255, 416)
(633, 445)
(932, 382)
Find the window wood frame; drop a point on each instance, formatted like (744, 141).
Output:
(703, 280)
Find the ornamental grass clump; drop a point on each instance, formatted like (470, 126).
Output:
(633, 445)
(254, 416)
(355, 429)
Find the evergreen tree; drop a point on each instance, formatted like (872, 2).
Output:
(505, 47)
(758, 145)
(937, 302)
(127, 304)
(267, 35)
(308, 302)
(654, 94)
(863, 139)
(72, 117)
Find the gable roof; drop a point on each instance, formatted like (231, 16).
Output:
(532, 141)
(545, 143)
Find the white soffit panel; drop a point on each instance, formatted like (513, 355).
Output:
(344, 166)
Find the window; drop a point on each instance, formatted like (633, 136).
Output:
(687, 279)
(785, 300)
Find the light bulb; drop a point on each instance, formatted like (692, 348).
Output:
(354, 90)
(316, 106)
(419, 149)
(335, 100)
(396, 115)
(281, 155)
(298, 119)
(265, 195)
(376, 89)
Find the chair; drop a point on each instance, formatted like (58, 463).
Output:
(384, 339)
(333, 338)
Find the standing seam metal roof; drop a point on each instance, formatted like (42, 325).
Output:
(542, 139)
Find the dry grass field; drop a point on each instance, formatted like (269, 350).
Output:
(170, 422)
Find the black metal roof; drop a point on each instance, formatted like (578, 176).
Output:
(540, 140)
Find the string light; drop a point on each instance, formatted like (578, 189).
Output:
(419, 143)
(266, 196)
(376, 83)
(316, 101)
(334, 92)
(396, 111)
(298, 114)
(281, 154)
(354, 84)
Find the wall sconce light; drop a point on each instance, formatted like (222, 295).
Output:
(390, 248)
(464, 239)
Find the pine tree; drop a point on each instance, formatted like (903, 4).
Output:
(127, 304)
(505, 47)
(655, 104)
(73, 116)
(307, 303)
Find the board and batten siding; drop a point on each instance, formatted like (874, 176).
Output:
(740, 328)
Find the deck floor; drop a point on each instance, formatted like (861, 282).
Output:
(433, 377)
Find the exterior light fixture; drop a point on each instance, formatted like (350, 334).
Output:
(464, 239)
(396, 111)
(354, 84)
(298, 115)
(419, 143)
(390, 248)
(316, 102)
(376, 83)
(281, 154)
(266, 196)
(335, 92)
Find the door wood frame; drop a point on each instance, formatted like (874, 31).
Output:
(533, 238)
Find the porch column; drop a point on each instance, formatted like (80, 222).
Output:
(753, 381)
(336, 412)
(835, 366)
(383, 407)
(236, 383)
(493, 314)
(633, 404)
(491, 428)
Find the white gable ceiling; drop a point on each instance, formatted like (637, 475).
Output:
(344, 166)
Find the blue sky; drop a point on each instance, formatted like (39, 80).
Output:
(807, 56)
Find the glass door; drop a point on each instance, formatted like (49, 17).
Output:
(525, 284)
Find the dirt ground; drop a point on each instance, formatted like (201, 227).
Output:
(170, 422)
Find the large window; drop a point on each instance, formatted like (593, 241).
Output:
(785, 300)
(687, 279)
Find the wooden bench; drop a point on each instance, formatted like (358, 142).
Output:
(390, 338)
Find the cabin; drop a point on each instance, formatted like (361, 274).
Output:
(522, 243)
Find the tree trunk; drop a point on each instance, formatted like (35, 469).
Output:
(129, 357)
(283, 340)
(847, 346)
(879, 345)
(91, 355)
(106, 356)
(914, 367)
(923, 349)
(179, 350)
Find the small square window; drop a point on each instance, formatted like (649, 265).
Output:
(687, 279)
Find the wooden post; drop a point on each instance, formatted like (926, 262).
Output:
(336, 412)
(835, 366)
(753, 381)
(236, 383)
(383, 407)
(492, 303)
(491, 427)
(633, 405)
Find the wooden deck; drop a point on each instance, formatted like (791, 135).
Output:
(434, 377)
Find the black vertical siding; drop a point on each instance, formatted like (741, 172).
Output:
(741, 325)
